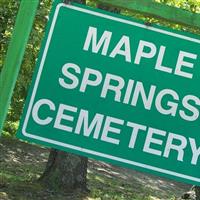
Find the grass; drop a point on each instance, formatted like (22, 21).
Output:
(21, 164)
(113, 189)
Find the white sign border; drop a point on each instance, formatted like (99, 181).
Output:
(110, 157)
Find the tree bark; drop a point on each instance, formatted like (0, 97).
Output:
(64, 171)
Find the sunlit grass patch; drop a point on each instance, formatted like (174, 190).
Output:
(105, 188)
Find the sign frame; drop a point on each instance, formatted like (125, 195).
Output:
(85, 151)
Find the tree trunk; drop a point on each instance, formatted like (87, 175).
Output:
(64, 171)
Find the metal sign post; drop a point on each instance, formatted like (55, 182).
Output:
(15, 54)
(157, 10)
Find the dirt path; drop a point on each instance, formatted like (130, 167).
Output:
(21, 160)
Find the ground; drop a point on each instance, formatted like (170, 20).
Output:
(21, 164)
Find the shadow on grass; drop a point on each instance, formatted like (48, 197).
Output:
(21, 164)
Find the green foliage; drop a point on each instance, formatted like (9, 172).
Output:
(190, 5)
(8, 12)
(29, 60)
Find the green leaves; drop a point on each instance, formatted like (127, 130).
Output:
(8, 13)
(191, 5)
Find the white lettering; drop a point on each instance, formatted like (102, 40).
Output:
(95, 125)
(86, 81)
(125, 41)
(109, 129)
(36, 107)
(178, 147)
(181, 63)
(60, 116)
(141, 53)
(150, 139)
(116, 88)
(92, 37)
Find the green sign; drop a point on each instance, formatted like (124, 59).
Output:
(117, 90)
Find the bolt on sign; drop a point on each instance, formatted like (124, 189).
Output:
(116, 90)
